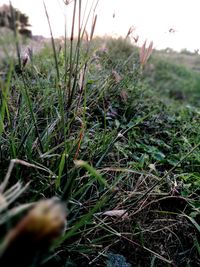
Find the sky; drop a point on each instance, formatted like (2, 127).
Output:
(168, 23)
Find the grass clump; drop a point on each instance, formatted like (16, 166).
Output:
(97, 131)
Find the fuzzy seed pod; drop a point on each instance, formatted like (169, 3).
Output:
(33, 235)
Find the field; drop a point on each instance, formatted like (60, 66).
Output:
(117, 141)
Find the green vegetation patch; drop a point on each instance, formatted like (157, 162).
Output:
(118, 143)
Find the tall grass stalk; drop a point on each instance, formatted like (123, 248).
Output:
(70, 92)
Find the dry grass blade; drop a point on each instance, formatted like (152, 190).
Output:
(11, 195)
(115, 213)
(10, 168)
(14, 211)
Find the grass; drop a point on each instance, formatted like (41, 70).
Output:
(99, 132)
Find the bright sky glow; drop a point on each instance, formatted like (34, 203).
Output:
(152, 19)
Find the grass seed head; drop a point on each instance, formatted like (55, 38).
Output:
(145, 53)
(34, 233)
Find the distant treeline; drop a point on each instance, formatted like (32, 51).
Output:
(12, 18)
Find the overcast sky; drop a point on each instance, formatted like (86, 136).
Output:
(152, 19)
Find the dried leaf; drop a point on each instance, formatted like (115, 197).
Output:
(115, 213)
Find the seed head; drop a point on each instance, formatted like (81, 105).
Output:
(33, 234)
